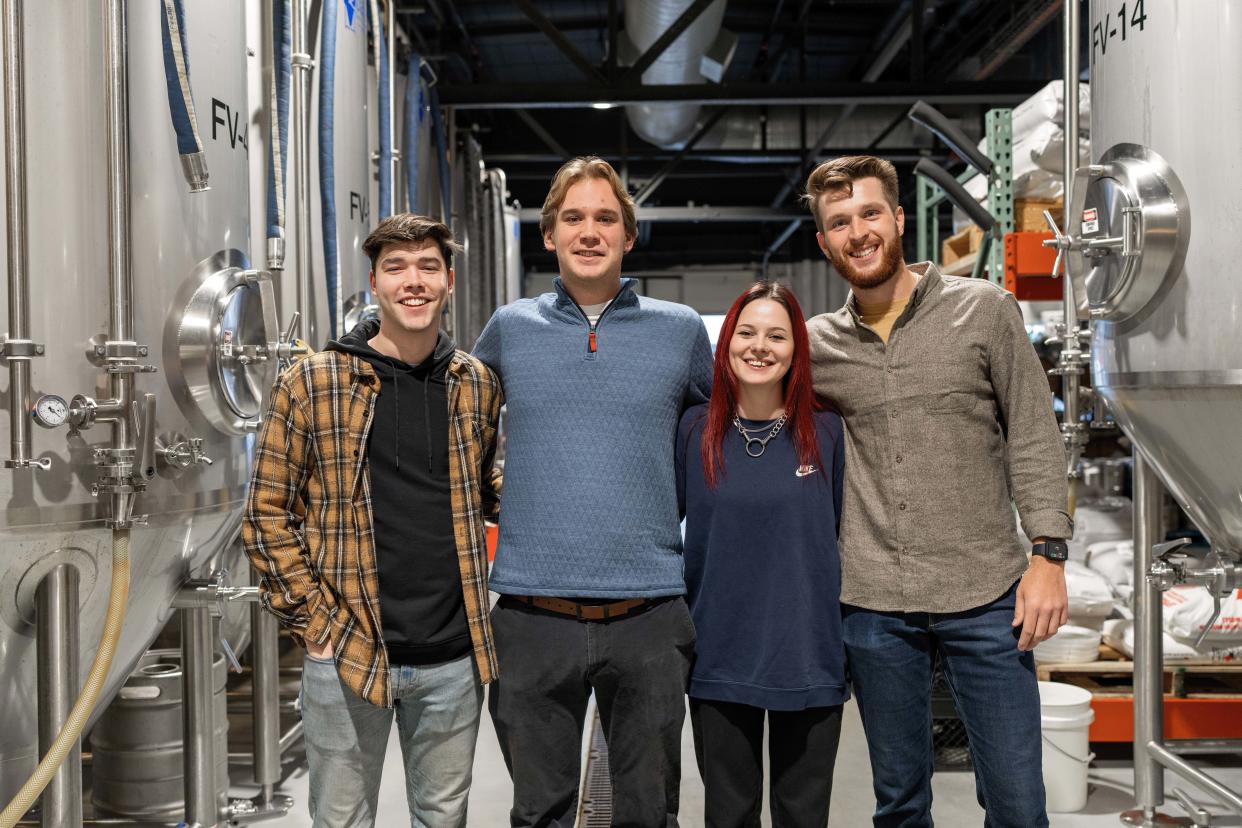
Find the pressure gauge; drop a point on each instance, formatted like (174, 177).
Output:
(50, 411)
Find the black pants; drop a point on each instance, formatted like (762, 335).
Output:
(637, 665)
(802, 749)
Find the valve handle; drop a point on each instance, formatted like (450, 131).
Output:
(1163, 550)
(144, 426)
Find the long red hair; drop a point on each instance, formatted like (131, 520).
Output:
(800, 402)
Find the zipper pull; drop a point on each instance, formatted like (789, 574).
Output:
(591, 341)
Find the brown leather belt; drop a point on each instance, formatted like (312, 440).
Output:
(585, 612)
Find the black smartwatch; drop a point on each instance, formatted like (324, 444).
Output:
(1054, 549)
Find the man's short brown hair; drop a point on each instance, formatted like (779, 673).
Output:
(839, 175)
(575, 170)
(408, 228)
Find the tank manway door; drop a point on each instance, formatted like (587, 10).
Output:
(227, 343)
(1129, 229)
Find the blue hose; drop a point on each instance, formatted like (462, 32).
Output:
(327, 168)
(278, 143)
(180, 99)
(385, 123)
(414, 105)
(446, 186)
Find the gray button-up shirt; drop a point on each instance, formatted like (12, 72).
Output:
(947, 427)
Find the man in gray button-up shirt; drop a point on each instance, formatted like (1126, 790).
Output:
(949, 425)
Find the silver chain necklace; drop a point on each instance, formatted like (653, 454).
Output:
(761, 442)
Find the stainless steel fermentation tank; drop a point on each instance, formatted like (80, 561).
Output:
(201, 319)
(1166, 103)
(1153, 244)
(352, 166)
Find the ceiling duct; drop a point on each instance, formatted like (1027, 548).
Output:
(669, 125)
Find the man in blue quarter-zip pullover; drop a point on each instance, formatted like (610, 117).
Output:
(589, 563)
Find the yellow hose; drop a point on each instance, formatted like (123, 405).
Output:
(72, 731)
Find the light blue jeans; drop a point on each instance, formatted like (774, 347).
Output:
(437, 710)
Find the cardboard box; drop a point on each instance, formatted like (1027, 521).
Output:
(960, 244)
(1028, 214)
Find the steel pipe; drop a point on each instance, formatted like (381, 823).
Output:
(1204, 745)
(299, 128)
(1148, 611)
(1194, 776)
(197, 652)
(56, 609)
(1070, 102)
(1071, 363)
(15, 204)
(390, 32)
(265, 687)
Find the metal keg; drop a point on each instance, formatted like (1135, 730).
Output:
(138, 768)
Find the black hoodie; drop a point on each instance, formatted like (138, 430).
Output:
(422, 611)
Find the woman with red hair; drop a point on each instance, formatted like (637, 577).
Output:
(759, 474)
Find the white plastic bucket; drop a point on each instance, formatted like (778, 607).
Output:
(1065, 715)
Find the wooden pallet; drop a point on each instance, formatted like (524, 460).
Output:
(1201, 701)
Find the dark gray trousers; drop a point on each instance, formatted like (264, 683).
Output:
(638, 667)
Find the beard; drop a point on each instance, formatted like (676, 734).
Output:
(891, 262)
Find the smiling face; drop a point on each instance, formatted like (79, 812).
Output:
(589, 240)
(862, 233)
(411, 283)
(761, 349)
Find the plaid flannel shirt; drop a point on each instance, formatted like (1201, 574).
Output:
(308, 527)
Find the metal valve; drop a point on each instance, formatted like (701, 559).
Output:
(212, 593)
(183, 453)
(1219, 576)
(287, 347)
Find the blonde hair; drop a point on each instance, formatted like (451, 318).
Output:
(575, 170)
(839, 175)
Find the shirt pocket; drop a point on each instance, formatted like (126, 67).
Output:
(951, 402)
(949, 388)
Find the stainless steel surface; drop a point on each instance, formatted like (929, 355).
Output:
(138, 756)
(227, 341)
(52, 516)
(300, 150)
(1180, 68)
(1142, 235)
(1148, 655)
(1070, 44)
(1150, 819)
(16, 250)
(1196, 777)
(291, 736)
(390, 34)
(645, 21)
(204, 804)
(352, 167)
(265, 684)
(1170, 379)
(1205, 745)
(58, 685)
(1072, 361)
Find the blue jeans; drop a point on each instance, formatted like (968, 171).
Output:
(993, 685)
(437, 710)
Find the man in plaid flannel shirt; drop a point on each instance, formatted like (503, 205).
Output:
(372, 479)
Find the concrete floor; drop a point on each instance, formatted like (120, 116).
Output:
(954, 802)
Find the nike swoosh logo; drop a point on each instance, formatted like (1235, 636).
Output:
(803, 471)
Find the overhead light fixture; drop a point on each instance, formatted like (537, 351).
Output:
(599, 105)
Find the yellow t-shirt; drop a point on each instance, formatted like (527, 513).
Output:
(882, 316)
